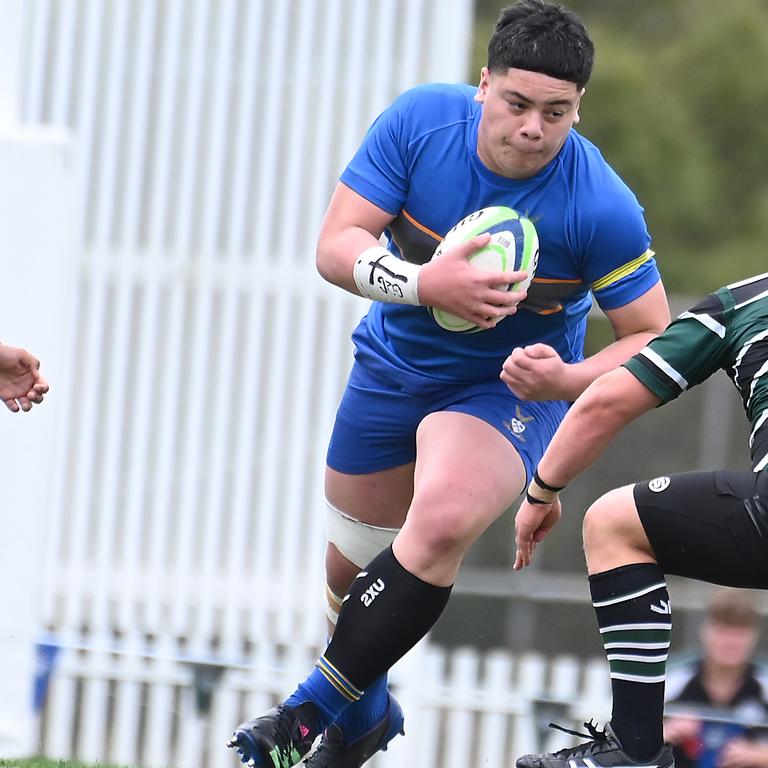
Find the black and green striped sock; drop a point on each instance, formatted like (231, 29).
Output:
(635, 619)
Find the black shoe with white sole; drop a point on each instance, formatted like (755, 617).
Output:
(604, 750)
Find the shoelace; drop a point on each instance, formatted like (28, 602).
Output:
(596, 739)
(330, 744)
(318, 757)
(285, 728)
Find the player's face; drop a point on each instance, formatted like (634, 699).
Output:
(525, 121)
(728, 646)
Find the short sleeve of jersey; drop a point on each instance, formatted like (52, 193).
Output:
(618, 264)
(378, 171)
(689, 351)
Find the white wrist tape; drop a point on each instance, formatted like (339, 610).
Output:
(381, 276)
(538, 495)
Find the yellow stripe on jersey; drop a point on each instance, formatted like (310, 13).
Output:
(622, 271)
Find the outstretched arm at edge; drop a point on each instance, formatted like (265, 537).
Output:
(610, 403)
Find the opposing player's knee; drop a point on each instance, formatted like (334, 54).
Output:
(358, 542)
(612, 531)
(609, 514)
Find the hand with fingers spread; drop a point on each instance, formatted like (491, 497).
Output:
(536, 372)
(21, 384)
(451, 283)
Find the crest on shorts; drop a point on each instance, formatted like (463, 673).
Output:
(517, 425)
(659, 484)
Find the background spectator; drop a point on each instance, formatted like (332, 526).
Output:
(717, 703)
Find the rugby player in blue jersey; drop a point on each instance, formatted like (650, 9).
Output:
(711, 526)
(429, 447)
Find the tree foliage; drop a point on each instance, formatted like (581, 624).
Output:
(678, 104)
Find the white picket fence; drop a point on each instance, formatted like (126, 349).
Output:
(209, 135)
(139, 702)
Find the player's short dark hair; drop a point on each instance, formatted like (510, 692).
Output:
(733, 608)
(542, 37)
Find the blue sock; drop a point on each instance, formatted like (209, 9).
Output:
(330, 698)
(359, 718)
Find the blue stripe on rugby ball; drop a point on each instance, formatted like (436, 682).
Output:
(515, 228)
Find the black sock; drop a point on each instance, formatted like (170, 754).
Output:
(635, 619)
(386, 612)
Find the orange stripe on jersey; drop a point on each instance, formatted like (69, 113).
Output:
(555, 280)
(424, 229)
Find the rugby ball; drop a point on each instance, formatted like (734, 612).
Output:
(514, 246)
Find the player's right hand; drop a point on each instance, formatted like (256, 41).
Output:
(452, 284)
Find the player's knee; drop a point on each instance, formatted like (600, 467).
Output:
(357, 543)
(606, 519)
(612, 531)
(439, 537)
(443, 526)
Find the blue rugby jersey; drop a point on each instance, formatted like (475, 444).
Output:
(419, 162)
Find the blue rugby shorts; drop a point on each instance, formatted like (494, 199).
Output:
(376, 422)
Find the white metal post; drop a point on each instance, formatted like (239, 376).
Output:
(10, 46)
(37, 194)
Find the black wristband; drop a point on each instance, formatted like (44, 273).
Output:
(533, 500)
(542, 484)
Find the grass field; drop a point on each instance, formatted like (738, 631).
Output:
(41, 762)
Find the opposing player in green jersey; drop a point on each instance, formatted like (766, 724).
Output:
(710, 526)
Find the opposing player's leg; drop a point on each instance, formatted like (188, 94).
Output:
(632, 608)
(709, 526)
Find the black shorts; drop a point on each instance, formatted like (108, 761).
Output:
(711, 526)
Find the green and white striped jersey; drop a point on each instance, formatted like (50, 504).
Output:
(728, 329)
